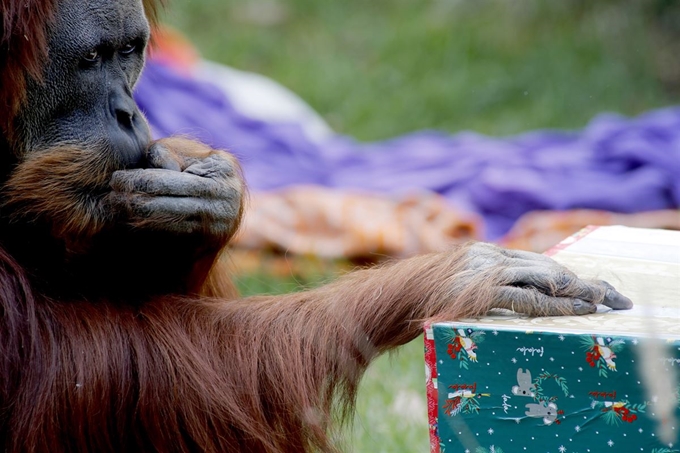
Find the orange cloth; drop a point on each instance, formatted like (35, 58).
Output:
(172, 48)
(313, 220)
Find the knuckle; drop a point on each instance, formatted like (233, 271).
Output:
(158, 148)
(537, 298)
(484, 254)
(563, 279)
(527, 296)
(213, 167)
(164, 159)
(224, 162)
(605, 285)
(486, 246)
(120, 181)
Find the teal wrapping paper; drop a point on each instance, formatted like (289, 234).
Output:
(598, 383)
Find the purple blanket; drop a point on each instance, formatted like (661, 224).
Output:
(615, 163)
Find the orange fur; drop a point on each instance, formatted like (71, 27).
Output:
(153, 351)
(261, 374)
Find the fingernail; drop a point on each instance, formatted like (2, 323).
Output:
(581, 307)
(616, 300)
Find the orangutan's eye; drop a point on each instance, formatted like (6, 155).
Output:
(128, 48)
(91, 56)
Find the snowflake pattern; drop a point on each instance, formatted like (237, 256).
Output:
(491, 449)
(607, 420)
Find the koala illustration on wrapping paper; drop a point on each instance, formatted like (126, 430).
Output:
(524, 385)
(547, 411)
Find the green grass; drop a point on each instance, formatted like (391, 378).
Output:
(376, 69)
(392, 407)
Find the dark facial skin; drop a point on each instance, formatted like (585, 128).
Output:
(96, 53)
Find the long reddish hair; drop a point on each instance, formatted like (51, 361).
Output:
(199, 370)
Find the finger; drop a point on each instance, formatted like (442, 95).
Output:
(156, 181)
(554, 281)
(179, 214)
(520, 262)
(529, 256)
(615, 299)
(535, 303)
(483, 254)
(217, 165)
(562, 283)
(185, 207)
(158, 156)
(590, 290)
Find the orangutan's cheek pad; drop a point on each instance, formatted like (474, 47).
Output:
(597, 383)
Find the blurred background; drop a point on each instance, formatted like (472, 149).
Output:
(374, 70)
(382, 68)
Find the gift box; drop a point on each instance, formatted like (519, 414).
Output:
(604, 382)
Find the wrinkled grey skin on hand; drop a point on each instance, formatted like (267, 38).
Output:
(205, 195)
(537, 285)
